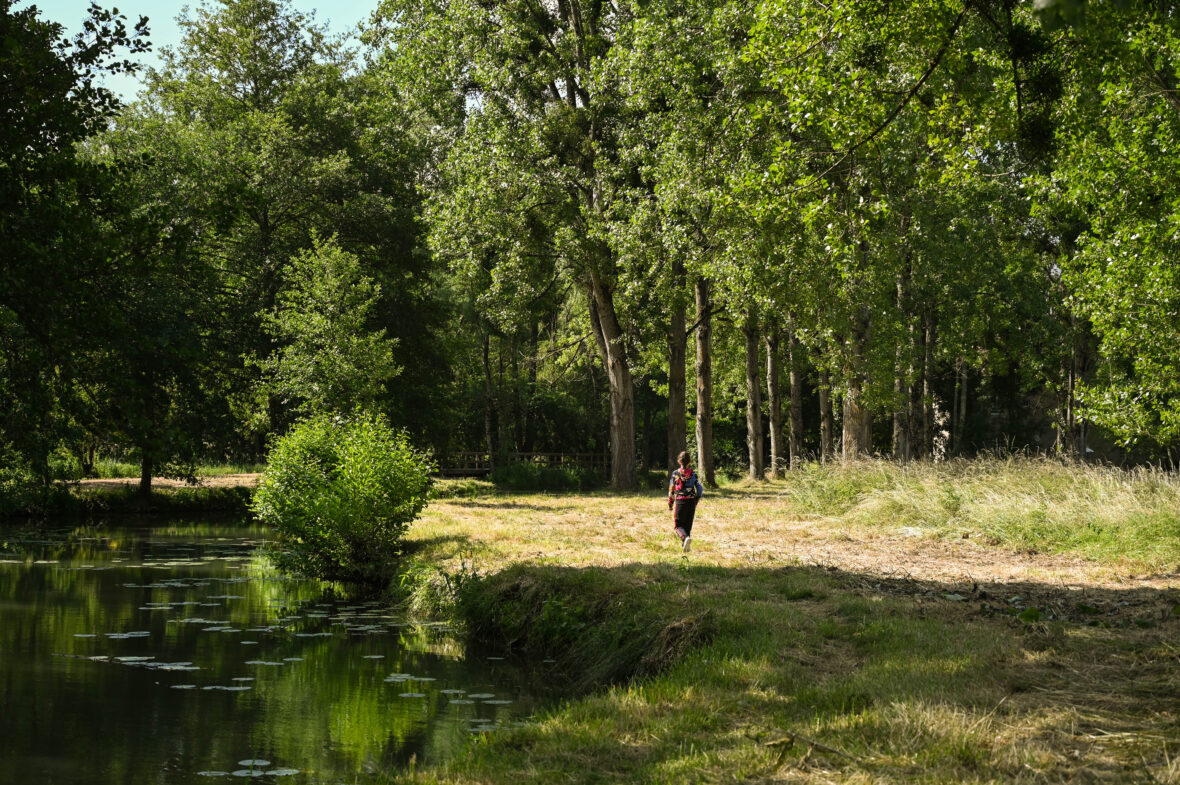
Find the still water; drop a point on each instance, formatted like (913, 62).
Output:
(171, 653)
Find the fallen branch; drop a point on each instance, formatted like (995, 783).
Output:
(789, 741)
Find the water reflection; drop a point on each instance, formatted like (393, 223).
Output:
(172, 654)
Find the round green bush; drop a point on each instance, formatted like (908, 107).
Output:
(339, 493)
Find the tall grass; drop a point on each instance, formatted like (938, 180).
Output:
(113, 469)
(1100, 512)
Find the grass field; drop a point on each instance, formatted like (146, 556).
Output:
(997, 621)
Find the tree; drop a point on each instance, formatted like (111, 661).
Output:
(1114, 180)
(50, 99)
(528, 183)
(329, 357)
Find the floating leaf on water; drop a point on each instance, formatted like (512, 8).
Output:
(185, 687)
(85, 635)
(242, 678)
(255, 762)
(248, 773)
(282, 772)
(292, 659)
(134, 659)
(249, 643)
(452, 692)
(481, 695)
(212, 773)
(373, 657)
(500, 702)
(411, 695)
(462, 702)
(262, 662)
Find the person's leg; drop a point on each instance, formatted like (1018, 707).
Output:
(687, 515)
(678, 519)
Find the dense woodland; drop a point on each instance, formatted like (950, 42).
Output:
(769, 231)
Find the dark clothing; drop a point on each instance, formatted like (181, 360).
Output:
(683, 485)
(683, 513)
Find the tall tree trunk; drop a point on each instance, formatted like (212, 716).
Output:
(774, 403)
(704, 374)
(677, 354)
(146, 469)
(518, 415)
(795, 432)
(489, 403)
(530, 429)
(857, 437)
(901, 414)
(903, 368)
(609, 336)
(918, 448)
(1077, 425)
(928, 425)
(827, 445)
(959, 413)
(753, 400)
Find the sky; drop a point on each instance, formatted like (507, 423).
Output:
(342, 16)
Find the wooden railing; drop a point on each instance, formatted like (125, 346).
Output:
(479, 464)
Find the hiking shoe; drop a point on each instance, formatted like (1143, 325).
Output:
(687, 546)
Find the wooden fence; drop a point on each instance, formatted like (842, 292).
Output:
(479, 464)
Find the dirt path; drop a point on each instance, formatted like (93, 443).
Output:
(739, 531)
(215, 481)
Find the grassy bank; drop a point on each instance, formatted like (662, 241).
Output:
(833, 627)
(72, 500)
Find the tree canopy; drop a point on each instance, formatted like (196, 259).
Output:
(520, 227)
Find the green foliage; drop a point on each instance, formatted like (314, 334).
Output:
(329, 358)
(527, 476)
(339, 493)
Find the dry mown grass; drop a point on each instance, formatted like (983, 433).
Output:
(858, 637)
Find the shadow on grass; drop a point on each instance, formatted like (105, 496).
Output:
(914, 679)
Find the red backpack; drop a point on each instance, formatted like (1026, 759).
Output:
(685, 485)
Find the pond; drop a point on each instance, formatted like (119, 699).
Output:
(172, 653)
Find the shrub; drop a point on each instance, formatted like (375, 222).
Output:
(526, 476)
(339, 493)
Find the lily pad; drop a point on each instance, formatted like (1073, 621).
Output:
(255, 762)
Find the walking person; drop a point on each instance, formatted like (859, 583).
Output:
(684, 491)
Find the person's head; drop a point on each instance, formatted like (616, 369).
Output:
(682, 459)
